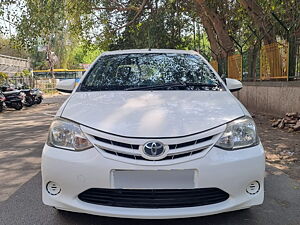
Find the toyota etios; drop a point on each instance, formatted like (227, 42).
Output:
(152, 134)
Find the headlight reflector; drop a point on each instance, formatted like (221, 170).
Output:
(239, 133)
(67, 135)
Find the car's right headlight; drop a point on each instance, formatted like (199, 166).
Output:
(240, 133)
(67, 135)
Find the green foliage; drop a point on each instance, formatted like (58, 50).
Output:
(166, 25)
(83, 54)
(40, 22)
(78, 31)
(3, 77)
(24, 73)
(8, 48)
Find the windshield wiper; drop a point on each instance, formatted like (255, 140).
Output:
(171, 85)
(199, 84)
(154, 87)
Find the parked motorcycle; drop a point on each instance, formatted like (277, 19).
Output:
(29, 99)
(2, 99)
(14, 99)
(38, 95)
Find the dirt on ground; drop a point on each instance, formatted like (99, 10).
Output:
(282, 148)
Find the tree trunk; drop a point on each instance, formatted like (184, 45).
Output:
(292, 55)
(217, 52)
(260, 20)
(265, 27)
(252, 60)
(219, 26)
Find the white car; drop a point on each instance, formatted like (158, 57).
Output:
(152, 134)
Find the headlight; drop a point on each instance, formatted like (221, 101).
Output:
(239, 133)
(67, 135)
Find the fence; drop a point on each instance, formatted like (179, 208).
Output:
(45, 84)
(297, 70)
(17, 81)
(234, 66)
(214, 64)
(271, 63)
(274, 61)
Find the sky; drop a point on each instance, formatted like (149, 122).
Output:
(8, 19)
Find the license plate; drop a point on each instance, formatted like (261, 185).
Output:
(153, 179)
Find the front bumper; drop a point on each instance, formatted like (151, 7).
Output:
(230, 171)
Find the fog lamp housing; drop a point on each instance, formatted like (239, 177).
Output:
(53, 188)
(253, 188)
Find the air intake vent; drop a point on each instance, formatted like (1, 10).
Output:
(154, 198)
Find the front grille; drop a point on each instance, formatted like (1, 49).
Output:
(153, 198)
(131, 150)
(116, 143)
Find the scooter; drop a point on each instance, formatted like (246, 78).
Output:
(29, 99)
(2, 99)
(14, 99)
(38, 95)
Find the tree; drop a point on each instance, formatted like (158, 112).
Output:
(119, 24)
(260, 20)
(219, 25)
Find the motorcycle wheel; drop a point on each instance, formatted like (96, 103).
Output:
(1, 107)
(18, 106)
(29, 101)
(38, 100)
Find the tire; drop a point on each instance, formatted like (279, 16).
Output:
(1, 107)
(18, 106)
(38, 100)
(29, 101)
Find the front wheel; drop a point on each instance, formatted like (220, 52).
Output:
(29, 101)
(38, 100)
(18, 105)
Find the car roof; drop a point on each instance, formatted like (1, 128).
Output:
(138, 51)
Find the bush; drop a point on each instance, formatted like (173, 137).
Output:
(24, 73)
(3, 77)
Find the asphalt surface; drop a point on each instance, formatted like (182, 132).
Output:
(22, 135)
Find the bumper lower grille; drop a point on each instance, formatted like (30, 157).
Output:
(149, 198)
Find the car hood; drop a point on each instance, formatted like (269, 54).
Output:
(152, 113)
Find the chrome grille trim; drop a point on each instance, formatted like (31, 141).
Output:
(134, 153)
(189, 149)
(117, 147)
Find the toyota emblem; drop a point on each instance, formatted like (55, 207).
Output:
(154, 149)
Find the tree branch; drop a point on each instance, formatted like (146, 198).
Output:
(137, 15)
(121, 9)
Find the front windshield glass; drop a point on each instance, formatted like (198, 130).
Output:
(150, 71)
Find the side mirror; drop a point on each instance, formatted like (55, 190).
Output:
(66, 86)
(233, 84)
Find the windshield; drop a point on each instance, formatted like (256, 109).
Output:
(150, 71)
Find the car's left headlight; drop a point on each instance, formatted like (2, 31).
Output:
(67, 135)
(240, 133)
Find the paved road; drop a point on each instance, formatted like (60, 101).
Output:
(20, 182)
